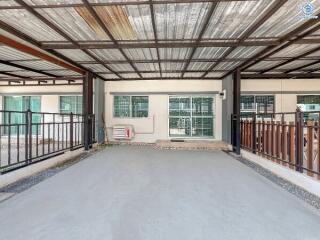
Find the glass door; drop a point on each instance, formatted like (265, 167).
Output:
(21, 103)
(191, 117)
(179, 117)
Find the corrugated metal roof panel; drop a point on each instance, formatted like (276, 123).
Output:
(25, 22)
(108, 54)
(215, 74)
(121, 67)
(295, 50)
(171, 75)
(4, 67)
(147, 66)
(227, 65)
(73, 24)
(8, 3)
(294, 64)
(3, 76)
(109, 76)
(29, 74)
(172, 66)
(116, 20)
(8, 53)
(231, 19)
(180, 21)
(150, 75)
(107, 1)
(48, 2)
(264, 65)
(245, 52)
(312, 67)
(96, 67)
(140, 20)
(129, 75)
(141, 53)
(174, 53)
(63, 72)
(40, 65)
(199, 66)
(315, 54)
(188, 74)
(209, 52)
(287, 18)
(317, 33)
(75, 54)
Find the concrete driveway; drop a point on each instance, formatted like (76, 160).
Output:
(135, 193)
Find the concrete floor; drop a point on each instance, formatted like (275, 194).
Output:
(135, 193)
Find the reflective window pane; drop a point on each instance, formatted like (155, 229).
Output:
(131, 106)
(71, 104)
(121, 106)
(191, 116)
(140, 106)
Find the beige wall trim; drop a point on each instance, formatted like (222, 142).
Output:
(39, 93)
(280, 92)
(166, 93)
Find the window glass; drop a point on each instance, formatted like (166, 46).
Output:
(131, 106)
(179, 106)
(309, 103)
(247, 103)
(257, 104)
(140, 106)
(22, 104)
(191, 116)
(70, 104)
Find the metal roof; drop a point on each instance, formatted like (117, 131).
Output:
(159, 39)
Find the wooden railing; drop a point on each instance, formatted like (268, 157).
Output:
(290, 139)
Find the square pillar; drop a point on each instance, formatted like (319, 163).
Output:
(99, 102)
(236, 111)
(87, 109)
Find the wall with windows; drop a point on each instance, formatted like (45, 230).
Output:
(285, 91)
(49, 95)
(156, 125)
(45, 99)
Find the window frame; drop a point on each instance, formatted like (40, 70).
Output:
(62, 113)
(130, 107)
(255, 109)
(23, 97)
(191, 117)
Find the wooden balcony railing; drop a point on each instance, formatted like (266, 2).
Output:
(290, 139)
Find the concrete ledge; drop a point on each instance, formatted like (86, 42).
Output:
(28, 171)
(213, 145)
(301, 180)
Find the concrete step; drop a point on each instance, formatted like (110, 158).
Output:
(213, 145)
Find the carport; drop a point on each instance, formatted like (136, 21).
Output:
(73, 42)
(204, 47)
(143, 193)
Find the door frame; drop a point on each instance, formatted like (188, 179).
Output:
(213, 117)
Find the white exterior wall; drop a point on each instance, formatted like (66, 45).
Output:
(49, 94)
(49, 97)
(284, 90)
(155, 127)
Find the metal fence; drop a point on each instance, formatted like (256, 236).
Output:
(290, 139)
(28, 137)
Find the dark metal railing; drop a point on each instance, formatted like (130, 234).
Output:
(28, 137)
(290, 139)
